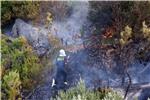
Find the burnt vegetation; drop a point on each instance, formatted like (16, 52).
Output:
(116, 35)
(122, 37)
(117, 38)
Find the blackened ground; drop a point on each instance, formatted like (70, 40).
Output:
(79, 67)
(45, 91)
(145, 94)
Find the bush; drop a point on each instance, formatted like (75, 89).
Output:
(146, 31)
(18, 9)
(144, 46)
(11, 84)
(112, 96)
(125, 36)
(18, 56)
(82, 93)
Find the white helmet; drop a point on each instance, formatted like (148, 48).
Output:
(62, 53)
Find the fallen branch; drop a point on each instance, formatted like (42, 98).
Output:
(129, 85)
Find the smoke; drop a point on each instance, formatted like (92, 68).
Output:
(72, 26)
(69, 29)
(95, 77)
(140, 73)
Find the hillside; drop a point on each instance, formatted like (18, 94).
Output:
(106, 48)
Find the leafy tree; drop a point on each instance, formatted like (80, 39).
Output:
(18, 9)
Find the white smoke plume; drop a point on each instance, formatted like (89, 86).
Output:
(71, 27)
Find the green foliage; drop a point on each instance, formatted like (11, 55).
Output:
(82, 93)
(18, 55)
(125, 36)
(11, 84)
(112, 96)
(18, 9)
(146, 31)
(143, 53)
(49, 19)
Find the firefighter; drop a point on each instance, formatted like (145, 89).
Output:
(61, 75)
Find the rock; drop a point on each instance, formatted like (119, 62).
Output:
(37, 36)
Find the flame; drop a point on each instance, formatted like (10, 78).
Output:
(109, 32)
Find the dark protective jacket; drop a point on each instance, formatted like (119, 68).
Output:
(61, 75)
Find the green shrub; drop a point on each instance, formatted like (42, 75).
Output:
(143, 53)
(125, 36)
(11, 84)
(112, 96)
(18, 9)
(146, 31)
(18, 55)
(49, 20)
(82, 93)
